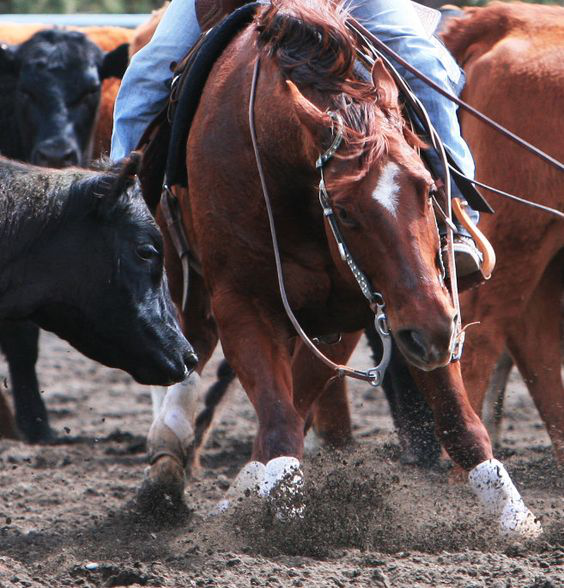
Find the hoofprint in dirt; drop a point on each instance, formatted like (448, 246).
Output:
(68, 515)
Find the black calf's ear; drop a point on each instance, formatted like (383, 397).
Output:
(126, 170)
(115, 62)
(8, 61)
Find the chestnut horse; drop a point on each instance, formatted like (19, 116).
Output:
(379, 191)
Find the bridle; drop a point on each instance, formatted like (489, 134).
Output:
(375, 299)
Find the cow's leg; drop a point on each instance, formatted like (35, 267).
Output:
(534, 342)
(317, 390)
(259, 351)
(7, 424)
(19, 341)
(465, 438)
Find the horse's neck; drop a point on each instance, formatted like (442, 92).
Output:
(32, 208)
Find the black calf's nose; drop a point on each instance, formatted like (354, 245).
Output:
(56, 158)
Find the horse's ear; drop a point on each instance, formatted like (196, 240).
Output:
(307, 112)
(386, 88)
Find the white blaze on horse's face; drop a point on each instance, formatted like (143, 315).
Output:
(387, 189)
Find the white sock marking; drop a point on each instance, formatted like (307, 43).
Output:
(177, 411)
(387, 189)
(282, 474)
(157, 397)
(498, 495)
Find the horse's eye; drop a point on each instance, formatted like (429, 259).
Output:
(345, 217)
(147, 252)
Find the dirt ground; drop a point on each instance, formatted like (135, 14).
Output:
(68, 515)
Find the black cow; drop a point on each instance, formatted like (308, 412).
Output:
(50, 89)
(81, 255)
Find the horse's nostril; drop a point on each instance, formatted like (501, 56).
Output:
(414, 342)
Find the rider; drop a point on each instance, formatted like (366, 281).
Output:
(145, 85)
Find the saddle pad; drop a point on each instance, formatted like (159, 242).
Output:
(213, 45)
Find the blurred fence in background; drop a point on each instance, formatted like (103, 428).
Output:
(144, 6)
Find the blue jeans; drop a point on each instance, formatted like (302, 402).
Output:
(145, 86)
(144, 89)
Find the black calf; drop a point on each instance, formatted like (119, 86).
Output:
(49, 96)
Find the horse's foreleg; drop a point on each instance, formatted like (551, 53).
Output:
(492, 411)
(465, 438)
(534, 342)
(317, 390)
(259, 352)
(170, 442)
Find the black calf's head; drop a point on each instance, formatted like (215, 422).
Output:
(114, 306)
(52, 83)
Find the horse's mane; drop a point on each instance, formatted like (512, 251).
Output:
(487, 25)
(312, 46)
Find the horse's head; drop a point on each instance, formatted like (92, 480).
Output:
(377, 187)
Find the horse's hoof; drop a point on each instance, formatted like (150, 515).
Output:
(163, 487)
(517, 521)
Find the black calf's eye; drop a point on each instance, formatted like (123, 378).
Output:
(147, 252)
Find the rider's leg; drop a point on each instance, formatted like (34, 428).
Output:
(145, 85)
(397, 24)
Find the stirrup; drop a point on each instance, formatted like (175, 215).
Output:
(483, 245)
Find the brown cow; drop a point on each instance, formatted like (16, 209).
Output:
(144, 32)
(512, 55)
